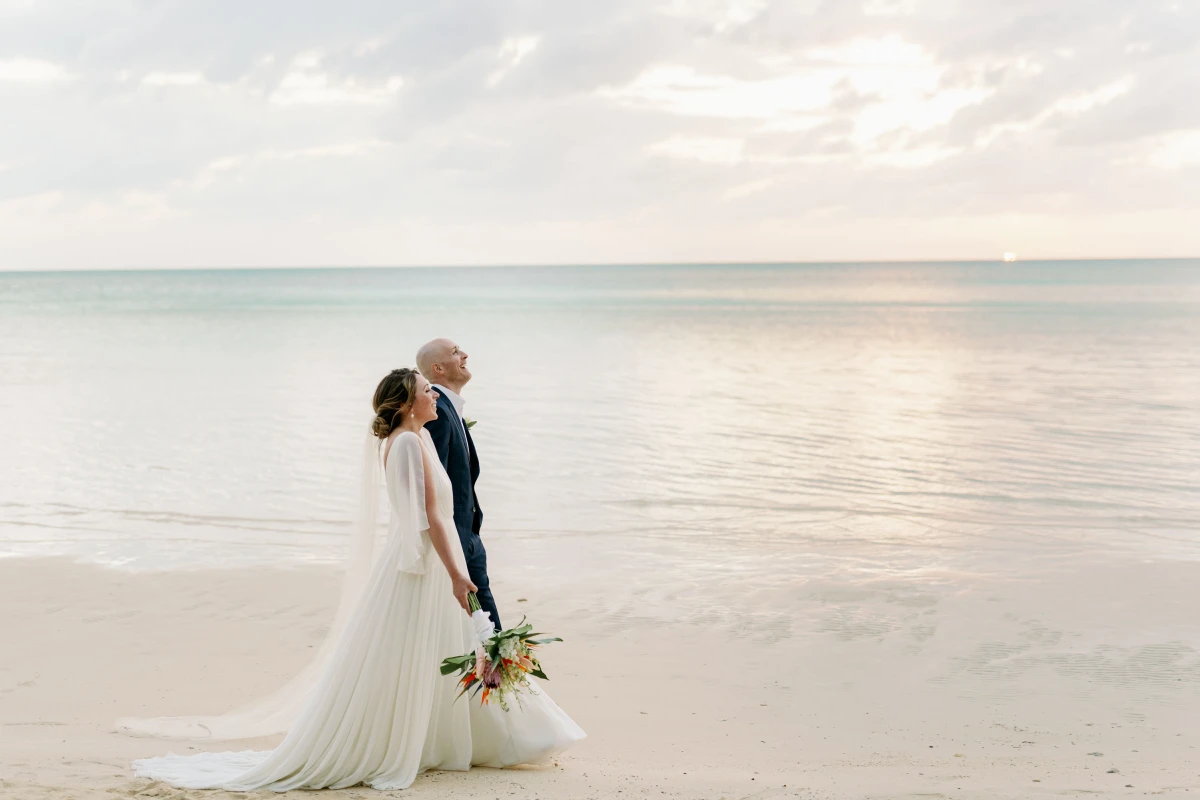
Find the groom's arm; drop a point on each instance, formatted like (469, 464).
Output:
(439, 431)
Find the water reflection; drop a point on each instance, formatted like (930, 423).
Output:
(859, 420)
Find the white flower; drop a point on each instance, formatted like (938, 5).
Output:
(508, 648)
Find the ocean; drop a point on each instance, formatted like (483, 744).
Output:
(744, 424)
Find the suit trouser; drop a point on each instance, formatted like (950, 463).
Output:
(476, 557)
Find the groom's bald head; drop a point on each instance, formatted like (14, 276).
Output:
(442, 361)
(429, 354)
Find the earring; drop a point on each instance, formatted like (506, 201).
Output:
(412, 414)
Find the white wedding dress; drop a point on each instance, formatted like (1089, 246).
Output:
(379, 711)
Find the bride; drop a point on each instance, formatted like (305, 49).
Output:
(374, 709)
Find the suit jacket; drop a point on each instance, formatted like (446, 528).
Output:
(457, 452)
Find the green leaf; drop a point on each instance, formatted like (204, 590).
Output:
(458, 663)
(537, 673)
(545, 641)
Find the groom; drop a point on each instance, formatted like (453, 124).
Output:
(444, 364)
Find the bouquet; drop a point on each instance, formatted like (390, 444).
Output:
(502, 662)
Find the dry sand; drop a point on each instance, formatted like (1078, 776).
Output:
(875, 690)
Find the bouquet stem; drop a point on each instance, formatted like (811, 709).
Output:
(473, 602)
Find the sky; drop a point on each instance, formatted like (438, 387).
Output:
(222, 133)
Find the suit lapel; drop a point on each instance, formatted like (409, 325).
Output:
(458, 426)
(472, 456)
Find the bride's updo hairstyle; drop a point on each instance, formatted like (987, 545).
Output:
(393, 395)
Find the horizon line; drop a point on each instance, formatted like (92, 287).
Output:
(614, 264)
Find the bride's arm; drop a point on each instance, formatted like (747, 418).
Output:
(440, 537)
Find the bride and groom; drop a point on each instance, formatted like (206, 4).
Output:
(373, 708)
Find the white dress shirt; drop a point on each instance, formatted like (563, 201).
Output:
(457, 402)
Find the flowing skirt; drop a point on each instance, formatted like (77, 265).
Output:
(382, 713)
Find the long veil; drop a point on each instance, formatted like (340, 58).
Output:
(276, 712)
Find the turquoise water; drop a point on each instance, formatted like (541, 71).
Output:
(841, 419)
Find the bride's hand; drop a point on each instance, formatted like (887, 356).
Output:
(462, 588)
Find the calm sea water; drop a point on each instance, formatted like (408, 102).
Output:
(850, 419)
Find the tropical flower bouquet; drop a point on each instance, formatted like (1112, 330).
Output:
(500, 666)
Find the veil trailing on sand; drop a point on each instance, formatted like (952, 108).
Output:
(276, 712)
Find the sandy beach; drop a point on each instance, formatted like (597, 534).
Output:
(877, 691)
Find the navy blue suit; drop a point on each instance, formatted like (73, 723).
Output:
(457, 452)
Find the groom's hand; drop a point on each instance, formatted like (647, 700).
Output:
(462, 588)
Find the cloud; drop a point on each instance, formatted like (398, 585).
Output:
(173, 79)
(459, 131)
(512, 52)
(31, 70)
(1174, 151)
(307, 83)
(1068, 106)
(679, 89)
(236, 167)
(708, 150)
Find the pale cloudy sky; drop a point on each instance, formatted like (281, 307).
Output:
(300, 132)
